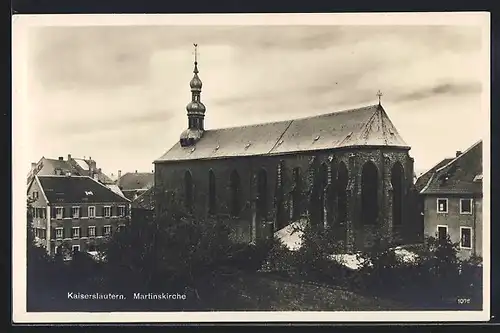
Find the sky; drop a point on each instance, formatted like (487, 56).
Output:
(118, 94)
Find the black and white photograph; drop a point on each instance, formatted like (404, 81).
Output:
(254, 168)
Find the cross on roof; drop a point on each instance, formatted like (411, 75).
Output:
(379, 94)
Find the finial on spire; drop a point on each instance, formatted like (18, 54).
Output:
(195, 58)
(379, 94)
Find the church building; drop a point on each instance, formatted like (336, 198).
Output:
(348, 170)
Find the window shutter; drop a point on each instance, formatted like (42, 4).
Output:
(99, 211)
(52, 233)
(53, 212)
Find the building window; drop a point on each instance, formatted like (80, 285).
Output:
(397, 180)
(369, 194)
(234, 180)
(465, 237)
(465, 206)
(76, 232)
(75, 248)
(59, 233)
(91, 231)
(91, 211)
(442, 231)
(59, 213)
(107, 230)
(262, 194)
(442, 205)
(188, 188)
(75, 212)
(211, 193)
(35, 195)
(296, 194)
(121, 211)
(107, 211)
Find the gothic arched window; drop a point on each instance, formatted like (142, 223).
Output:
(188, 188)
(342, 181)
(235, 193)
(397, 175)
(211, 193)
(262, 194)
(369, 194)
(296, 194)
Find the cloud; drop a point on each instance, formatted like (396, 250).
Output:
(119, 93)
(450, 88)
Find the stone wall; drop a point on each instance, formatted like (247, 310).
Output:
(169, 182)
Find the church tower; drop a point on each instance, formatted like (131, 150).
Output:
(195, 109)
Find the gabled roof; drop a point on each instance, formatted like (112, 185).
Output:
(77, 189)
(426, 176)
(115, 189)
(145, 200)
(135, 181)
(84, 168)
(366, 126)
(459, 176)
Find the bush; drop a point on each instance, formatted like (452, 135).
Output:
(313, 261)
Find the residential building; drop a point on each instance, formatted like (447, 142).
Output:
(143, 206)
(349, 170)
(453, 198)
(77, 211)
(133, 184)
(74, 166)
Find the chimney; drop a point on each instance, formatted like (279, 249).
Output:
(119, 173)
(135, 171)
(69, 157)
(458, 153)
(100, 170)
(61, 158)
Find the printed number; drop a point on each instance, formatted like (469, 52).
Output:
(463, 300)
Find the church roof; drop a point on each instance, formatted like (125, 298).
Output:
(366, 126)
(462, 175)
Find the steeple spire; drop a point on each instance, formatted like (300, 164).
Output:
(195, 108)
(195, 58)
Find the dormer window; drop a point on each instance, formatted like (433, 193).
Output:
(89, 193)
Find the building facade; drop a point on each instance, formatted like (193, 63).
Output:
(347, 170)
(452, 201)
(76, 212)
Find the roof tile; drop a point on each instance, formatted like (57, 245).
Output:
(364, 126)
(458, 176)
(77, 189)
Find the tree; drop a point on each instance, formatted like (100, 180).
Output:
(176, 250)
